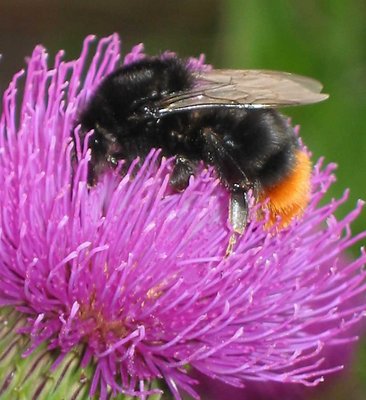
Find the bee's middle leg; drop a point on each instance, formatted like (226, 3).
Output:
(184, 168)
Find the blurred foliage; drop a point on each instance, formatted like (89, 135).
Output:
(324, 39)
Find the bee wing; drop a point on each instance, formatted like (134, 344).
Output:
(245, 89)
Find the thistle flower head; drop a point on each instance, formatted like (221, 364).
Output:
(136, 276)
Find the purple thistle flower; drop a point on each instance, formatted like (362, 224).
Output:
(138, 276)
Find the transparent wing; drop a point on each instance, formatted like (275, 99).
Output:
(245, 89)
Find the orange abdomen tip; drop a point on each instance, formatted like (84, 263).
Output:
(289, 198)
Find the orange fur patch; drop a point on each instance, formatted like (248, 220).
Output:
(289, 198)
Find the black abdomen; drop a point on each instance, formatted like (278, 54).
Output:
(261, 141)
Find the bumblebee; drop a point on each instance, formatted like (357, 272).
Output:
(225, 118)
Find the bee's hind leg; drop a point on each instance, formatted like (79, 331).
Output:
(184, 168)
(238, 210)
(238, 216)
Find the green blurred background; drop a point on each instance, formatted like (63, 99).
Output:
(324, 39)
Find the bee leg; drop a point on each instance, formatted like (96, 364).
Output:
(183, 170)
(231, 175)
(238, 216)
(238, 210)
